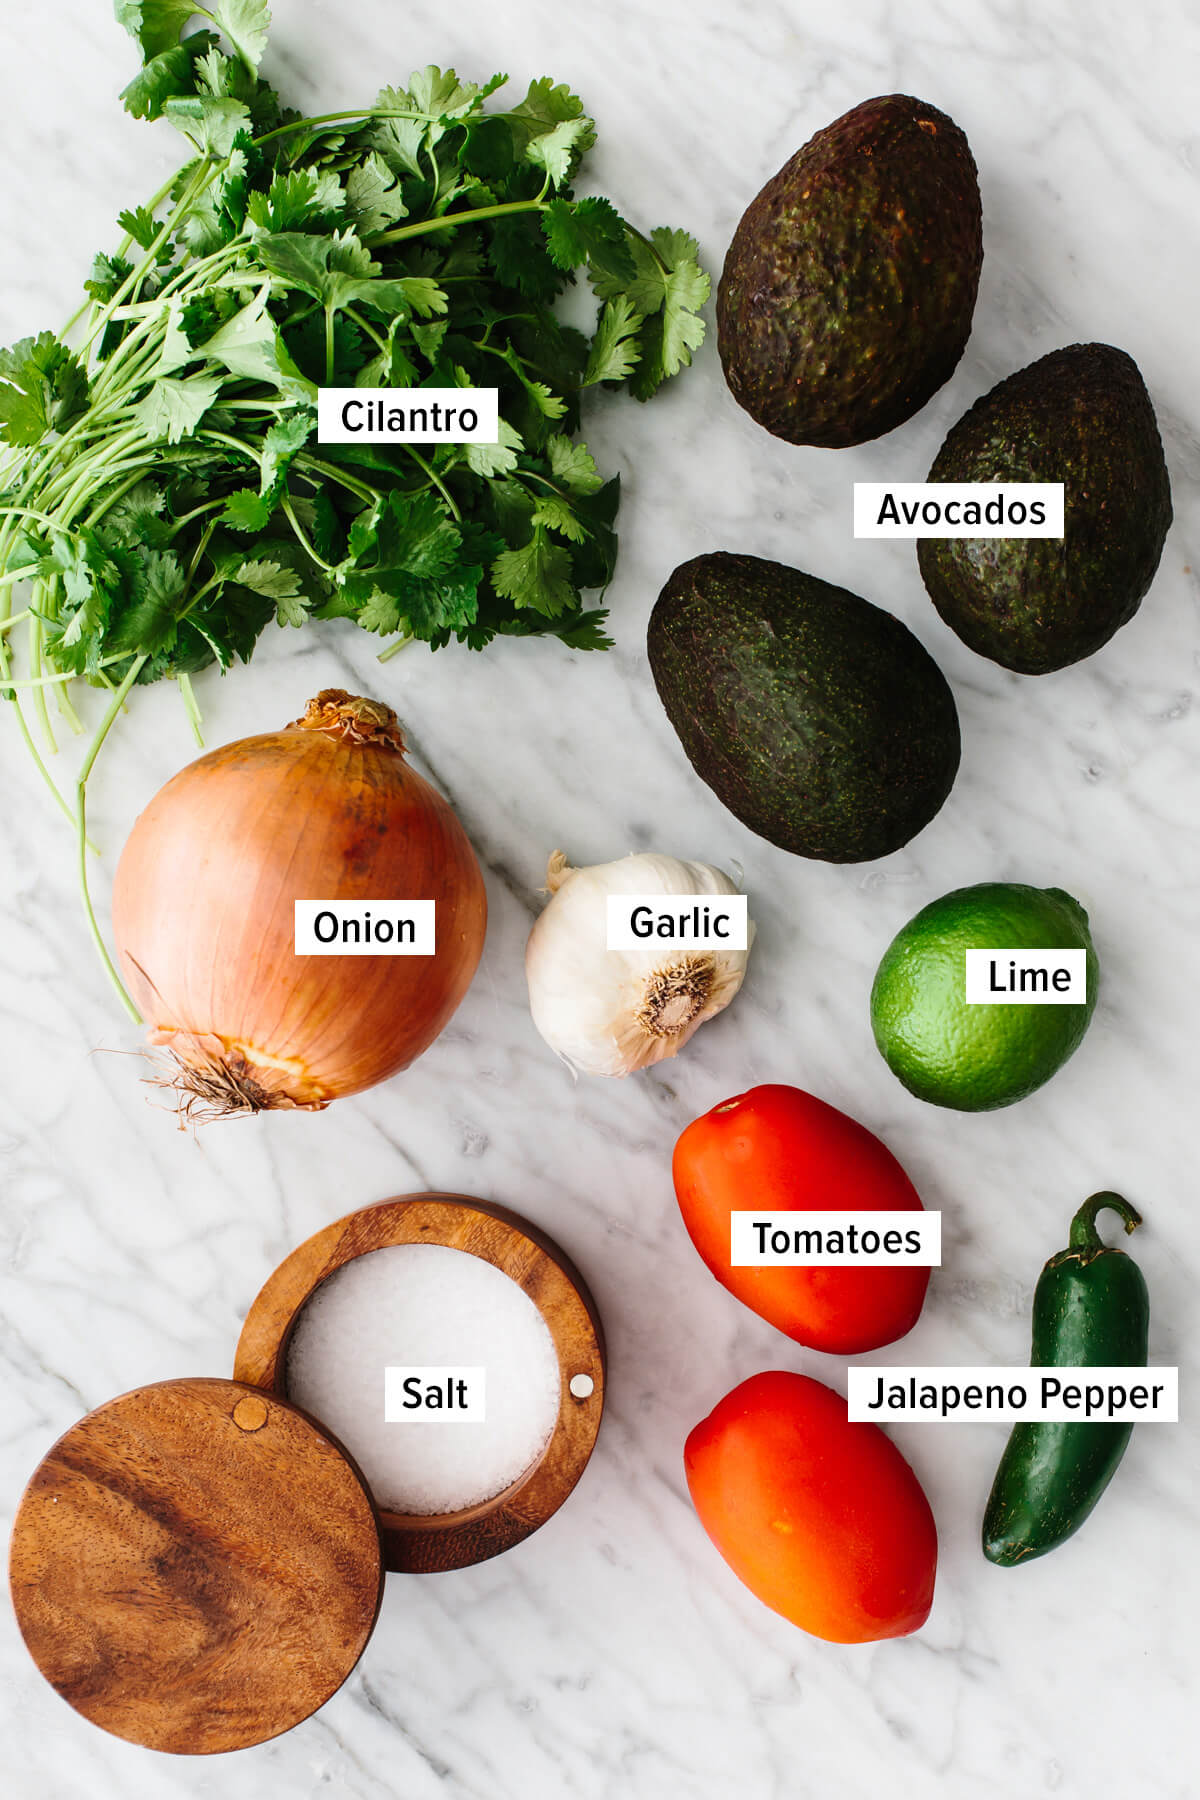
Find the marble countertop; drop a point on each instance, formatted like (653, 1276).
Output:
(613, 1656)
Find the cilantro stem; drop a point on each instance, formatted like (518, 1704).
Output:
(437, 481)
(37, 684)
(30, 745)
(112, 496)
(106, 724)
(329, 346)
(447, 220)
(339, 475)
(190, 707)
(305, 541)
(352, 312)
(151, 206)
(14, 618)
(40, 682)
(206, 173)
(363, 115)
(394, 649)
(201, 547)
(13, 700)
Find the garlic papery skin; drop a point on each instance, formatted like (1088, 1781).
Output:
(608, 1012)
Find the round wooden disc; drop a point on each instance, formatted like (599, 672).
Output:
(196, 1567)
(421, 1542)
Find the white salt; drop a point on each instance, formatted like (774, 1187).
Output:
(427, 1306)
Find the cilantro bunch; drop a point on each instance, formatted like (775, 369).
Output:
(163, 492)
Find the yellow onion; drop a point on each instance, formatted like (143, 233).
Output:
(204, 912)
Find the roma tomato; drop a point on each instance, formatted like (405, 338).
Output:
(821, 1518)
(783, 1150)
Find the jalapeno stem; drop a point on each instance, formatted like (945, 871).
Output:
(1084, 1235)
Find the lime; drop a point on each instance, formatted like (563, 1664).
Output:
(978, 1056)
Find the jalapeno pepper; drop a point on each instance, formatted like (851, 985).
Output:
(1090, 1308)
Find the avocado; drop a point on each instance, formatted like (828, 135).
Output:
(817, 718)
(1081, 416)
(848, 289)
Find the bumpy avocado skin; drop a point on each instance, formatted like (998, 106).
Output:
(1081, 416)
(848, 289)
(817, 718)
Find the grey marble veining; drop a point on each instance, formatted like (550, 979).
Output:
(613, 1656)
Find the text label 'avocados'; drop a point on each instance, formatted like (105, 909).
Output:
(952, 509)
(1009, 1396)
(827, 1240)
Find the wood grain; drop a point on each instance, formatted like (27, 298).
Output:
(536, 1264)
(195, 1567)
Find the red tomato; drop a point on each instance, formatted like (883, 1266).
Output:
(782, 1150)
(822, 1519)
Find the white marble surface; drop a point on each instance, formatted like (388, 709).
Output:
(613, 1657)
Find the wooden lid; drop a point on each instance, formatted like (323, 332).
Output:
(196, 1566)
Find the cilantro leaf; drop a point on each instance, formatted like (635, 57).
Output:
(499, 458)
(518, 253)
(408, 570)
(147, 626)
(90, 581)
(290, 432)
(374, 198)
(551, 130)
(556, 513)
(300, 197)
(647, 290)
(249, 345)
(583, 631)
(276, 583)
(267, 578)
(548, 403)
(212, 125)
(172, 408)
(402, 534)
(108, 272)
(537, 575)
(615, 350)
(245, 23)
(137, 518)
(687, 290)
(166, 75)
(588, 231)
(139, 225)
(42, 388)
(156, 24)
(245, 510)
(417, 118)
(573, 466)
(338, 270)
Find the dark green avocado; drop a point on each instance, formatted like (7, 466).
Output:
(1081, 416)
(817, 718)
(848, 289)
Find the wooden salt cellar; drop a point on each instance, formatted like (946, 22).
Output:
(197, 1566)
(453, 1540)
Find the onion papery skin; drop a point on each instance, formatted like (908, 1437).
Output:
(204, 912)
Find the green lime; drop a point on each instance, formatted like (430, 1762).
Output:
(982, 1055)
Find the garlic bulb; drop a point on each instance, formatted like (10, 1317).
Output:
(607, 1012)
